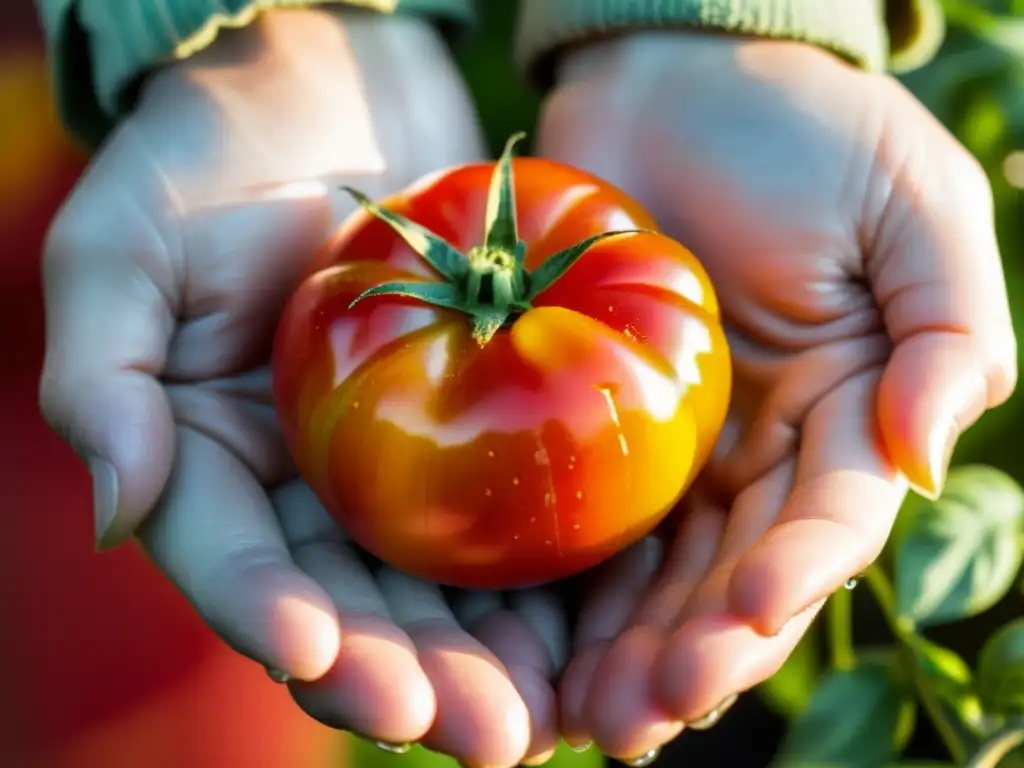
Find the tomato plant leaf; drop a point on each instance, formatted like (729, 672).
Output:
(1001, 671)
(856, 719)
(950, 679)
(500, 220)
(960, 554)
(789, 690)
(436, 251)
(556, 265)
(438, 294)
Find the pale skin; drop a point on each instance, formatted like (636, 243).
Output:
(851, 241)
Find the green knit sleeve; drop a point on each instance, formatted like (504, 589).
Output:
(873, 34)
(98, 48)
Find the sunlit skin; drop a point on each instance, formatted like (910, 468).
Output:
(537, 454)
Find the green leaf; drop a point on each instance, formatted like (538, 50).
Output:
(856, 718)
(1001, 671)
(437, 252)
(438, 294)
(556, 265)
(500, 219)
(961, 553)
(950, 678)
(789, 690)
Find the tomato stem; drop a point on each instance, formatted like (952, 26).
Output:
(490, 283)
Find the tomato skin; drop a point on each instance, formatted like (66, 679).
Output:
(562, 440)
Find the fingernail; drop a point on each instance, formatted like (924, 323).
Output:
(278, 675)
(385, 746)
(711, 718)
(644, 760)
(104, 502)
(940, 453)
(580, 748)
(814, 607)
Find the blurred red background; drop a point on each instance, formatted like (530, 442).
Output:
(105, 665)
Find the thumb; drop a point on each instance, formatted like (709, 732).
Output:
(108, 325)
(937, 275)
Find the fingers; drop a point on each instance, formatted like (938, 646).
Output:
(529, 638)
(544, 613)
(937, 274)
(715, 656)
(843, 503)
(406, 670)
(216, 537)
(481, 718)
(622, 712)
(376, 686)
(710, 655)
(616, 591)
(108, 324)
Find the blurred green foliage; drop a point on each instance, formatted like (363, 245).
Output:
(947, 560)
(950, 560)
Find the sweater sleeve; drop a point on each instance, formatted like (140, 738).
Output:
(873, 34)
(98, 48)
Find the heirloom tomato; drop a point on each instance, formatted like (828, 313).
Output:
(502, 375)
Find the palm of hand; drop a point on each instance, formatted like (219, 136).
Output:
(772, 166)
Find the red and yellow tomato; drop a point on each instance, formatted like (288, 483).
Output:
(535, 449)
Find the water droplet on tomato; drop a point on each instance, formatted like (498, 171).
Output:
(515, 481)
(575, 526)
(548, 542)
(488, 492)
(611, 308)
(579, 494)
(572, 459)
(516, 537)
(355, 405)
(533, 519)
(490, 454)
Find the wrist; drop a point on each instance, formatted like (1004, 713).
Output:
(312, 93)
(639, 55)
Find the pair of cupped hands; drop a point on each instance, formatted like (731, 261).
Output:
(851, 242)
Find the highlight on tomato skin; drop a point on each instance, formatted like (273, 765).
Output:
(483, 415)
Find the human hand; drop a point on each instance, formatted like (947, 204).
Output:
(851, 242)
(165, 274)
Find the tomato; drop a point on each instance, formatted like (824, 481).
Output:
(502, 375)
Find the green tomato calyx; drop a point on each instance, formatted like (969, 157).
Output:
(489, 283)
